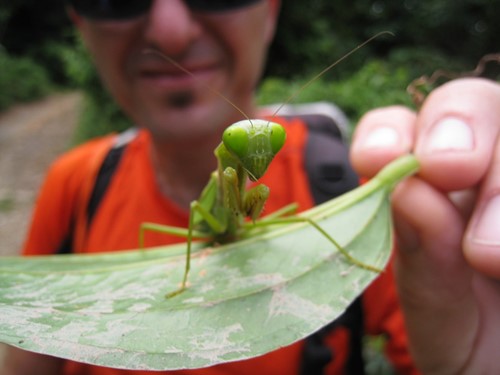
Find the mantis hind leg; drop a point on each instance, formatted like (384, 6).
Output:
(340, 248)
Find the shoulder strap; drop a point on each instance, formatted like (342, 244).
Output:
(108, 168)
(101, 182)
(326, 154)
(326, 160)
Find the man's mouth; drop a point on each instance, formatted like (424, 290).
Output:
(172, 78)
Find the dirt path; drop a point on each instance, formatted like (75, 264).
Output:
(31, 136)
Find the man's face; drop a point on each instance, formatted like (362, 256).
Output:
(225, 52)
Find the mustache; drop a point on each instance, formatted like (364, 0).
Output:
(155, 56)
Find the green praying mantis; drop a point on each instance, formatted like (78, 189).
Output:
(245, 153)
(246, 150)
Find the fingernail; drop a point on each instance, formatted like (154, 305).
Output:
(381, 137)
(450, 134)
(487, 229)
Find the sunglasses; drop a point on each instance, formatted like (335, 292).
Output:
(108, 10)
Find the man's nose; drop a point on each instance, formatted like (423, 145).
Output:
(171, 27)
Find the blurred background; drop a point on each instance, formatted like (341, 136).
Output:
(40, 53)
(51, 98)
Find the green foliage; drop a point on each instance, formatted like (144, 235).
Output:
(99, 117)
(6, 204)
(376, 84)
(316, 31)
(31, 34)
(78, 66)
(373, 352)
(100, 114)
(21, 80)
(30, 28)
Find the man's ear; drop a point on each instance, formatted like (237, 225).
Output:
(74, 16)
(272, 19)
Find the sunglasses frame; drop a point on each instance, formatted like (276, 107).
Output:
(105, 10)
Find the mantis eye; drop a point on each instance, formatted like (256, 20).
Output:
(277, 137)
(236, 140)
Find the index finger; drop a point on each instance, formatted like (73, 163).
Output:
(456, 132)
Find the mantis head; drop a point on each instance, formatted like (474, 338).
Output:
(254, 143)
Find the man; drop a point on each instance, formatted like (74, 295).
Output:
(444, 294)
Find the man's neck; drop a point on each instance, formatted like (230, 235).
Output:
(183, 170)
(183, 167)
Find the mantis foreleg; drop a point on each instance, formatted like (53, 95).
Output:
(213, 222)
(216, 226)
(220, 220)
(254, 201)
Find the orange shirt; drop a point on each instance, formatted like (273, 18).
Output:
(133, 197)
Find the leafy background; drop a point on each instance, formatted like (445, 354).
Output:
(38, 43)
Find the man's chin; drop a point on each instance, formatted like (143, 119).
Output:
(180, 100)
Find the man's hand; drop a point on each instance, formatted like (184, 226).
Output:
(447, 221)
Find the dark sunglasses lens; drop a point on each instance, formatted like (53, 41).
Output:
(126, 9)
(218, 5)
(110, 9)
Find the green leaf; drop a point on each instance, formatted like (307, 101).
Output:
(244, 299)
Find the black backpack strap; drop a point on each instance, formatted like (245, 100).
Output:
(327, 161)
(330, 175)
(316, 355)
(324, 115)
(66, 246)
(103, 178)
(326, 154)
(107, 170)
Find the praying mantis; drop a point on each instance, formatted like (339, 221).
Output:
(245, 153)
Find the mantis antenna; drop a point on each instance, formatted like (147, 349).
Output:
(291, 97)
(308, 83)
(225, 201)
(179, 66)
